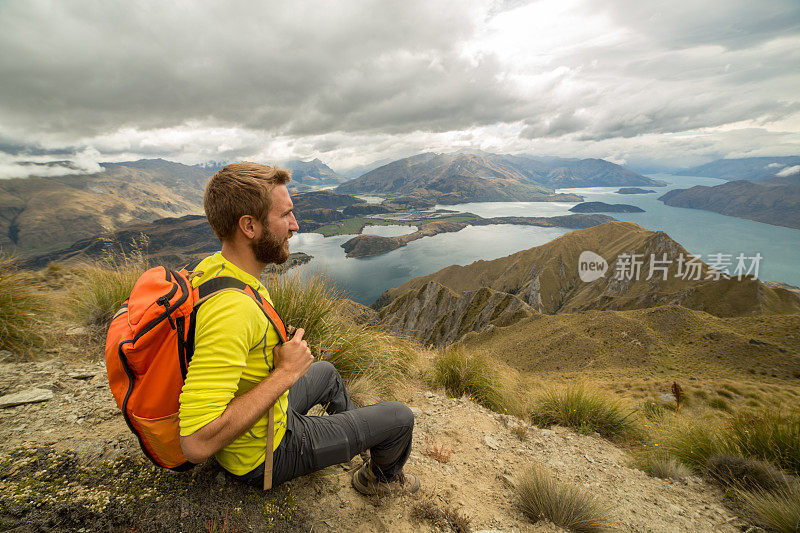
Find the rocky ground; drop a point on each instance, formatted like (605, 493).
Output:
(484, 452)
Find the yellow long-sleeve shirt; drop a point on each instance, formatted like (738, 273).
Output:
(232, 354)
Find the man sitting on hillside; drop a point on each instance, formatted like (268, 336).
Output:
(239, 371)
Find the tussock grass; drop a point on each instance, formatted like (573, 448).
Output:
(652, 410)
(694, 444)
(471, 374)
(770, 435)
(744, 472)
(369, 359)
(585, 410)
(103, 286)
(20, 308)
(775, 510)
(665, 467)
(540, 495)
(746, 445)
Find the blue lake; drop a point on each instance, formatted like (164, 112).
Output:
(700, 232)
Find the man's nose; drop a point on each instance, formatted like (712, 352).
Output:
(294, 226)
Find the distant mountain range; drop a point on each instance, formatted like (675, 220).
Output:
(748, 168)
(174, 242)
(39, 214)
(773, 200)
(43, 214)
(442, 307)
(314, 173)
(465, 177)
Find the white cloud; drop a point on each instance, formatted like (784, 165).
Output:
(789, 171)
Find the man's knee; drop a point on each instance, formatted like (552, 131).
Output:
(325, 368)
(402, 413)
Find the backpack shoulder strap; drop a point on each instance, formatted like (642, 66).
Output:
(220, 284)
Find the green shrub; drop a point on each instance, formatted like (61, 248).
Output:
(770, 435)
(471, 374)
(103, 286)
(584, 410)
(20, 309)
(542, 496)
(775, 510)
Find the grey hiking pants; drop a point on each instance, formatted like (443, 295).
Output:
(315, 442)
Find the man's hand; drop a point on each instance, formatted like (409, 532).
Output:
(293, 357)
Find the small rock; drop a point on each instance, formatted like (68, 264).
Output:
(667, 397)
(429, 394)
(588, 457)
(221, 479)
(77, 330)
(490, 442)
(26, 396)
(416, 411)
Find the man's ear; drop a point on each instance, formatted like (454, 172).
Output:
(247, 226)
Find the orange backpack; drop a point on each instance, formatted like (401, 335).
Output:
(149, 345)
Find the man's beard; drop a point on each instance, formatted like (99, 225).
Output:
(268, 249)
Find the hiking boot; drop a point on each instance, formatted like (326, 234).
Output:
(367, 483)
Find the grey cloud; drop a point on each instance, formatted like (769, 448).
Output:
(733, 24)
(366, 80)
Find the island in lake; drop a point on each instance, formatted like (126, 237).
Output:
(633, 190)
(367, 245)
(602, 207)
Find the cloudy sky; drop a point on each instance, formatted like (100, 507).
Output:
(638, 82)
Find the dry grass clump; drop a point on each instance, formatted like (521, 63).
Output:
(103, 286)
(470, 374)
(370, 359)
(585, 410)
(540, 495)
(775, 510)
(744, 472)
(20, 308)
(437, 452)
(770, 435)
(443, 517)
(665, 467)
(694, 444)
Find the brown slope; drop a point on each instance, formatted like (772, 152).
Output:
(546, 277)
(437, 315)
(669, 337)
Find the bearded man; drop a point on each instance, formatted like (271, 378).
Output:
(239, 370)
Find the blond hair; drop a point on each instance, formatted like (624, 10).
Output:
(240, 189)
